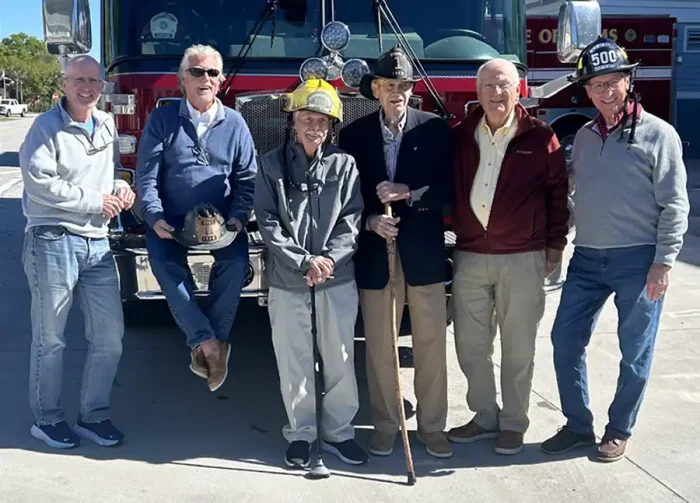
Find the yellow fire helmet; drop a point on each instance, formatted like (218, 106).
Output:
(315, 95)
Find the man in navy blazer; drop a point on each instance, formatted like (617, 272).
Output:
(404, 156)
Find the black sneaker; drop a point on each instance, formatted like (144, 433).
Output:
(348, 451)
(103, 433)
(58, 436)
(565, 440)
(297, 455)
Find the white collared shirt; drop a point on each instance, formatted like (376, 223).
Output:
(492, 150)
(202, 121)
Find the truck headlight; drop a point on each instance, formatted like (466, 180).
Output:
(127, 144)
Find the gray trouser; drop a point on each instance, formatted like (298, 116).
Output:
(290, 317)
(504, 291)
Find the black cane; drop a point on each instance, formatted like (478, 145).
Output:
(319, 471)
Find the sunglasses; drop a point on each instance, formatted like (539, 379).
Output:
(199, 72)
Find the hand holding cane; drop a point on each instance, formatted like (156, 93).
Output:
(391, 252)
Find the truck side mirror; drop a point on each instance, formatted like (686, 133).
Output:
(67, 26)
(579, 26)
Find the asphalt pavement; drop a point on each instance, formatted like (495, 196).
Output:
(186, 444)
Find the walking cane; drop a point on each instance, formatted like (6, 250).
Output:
(391, 252)
(319, 471)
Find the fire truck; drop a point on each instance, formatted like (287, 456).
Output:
(268, 47)
(646, 38)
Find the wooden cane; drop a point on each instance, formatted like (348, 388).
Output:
(391, 252)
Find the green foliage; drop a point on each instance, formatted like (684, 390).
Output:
(24, 58)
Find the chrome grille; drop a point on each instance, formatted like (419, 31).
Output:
(267, 121)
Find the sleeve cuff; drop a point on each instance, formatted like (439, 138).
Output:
(94, 203)
(152, 217)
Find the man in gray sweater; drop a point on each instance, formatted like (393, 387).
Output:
(68, 162)
(631, 214)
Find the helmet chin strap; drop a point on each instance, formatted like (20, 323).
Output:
(625, 114)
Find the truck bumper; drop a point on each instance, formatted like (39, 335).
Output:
(137, 281)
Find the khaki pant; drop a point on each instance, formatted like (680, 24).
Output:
(429, 319)
(504, 291)
(290, 317)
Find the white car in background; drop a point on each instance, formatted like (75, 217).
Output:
(10, 107)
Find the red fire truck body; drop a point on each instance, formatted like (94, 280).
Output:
(648, 39)
(143, 43)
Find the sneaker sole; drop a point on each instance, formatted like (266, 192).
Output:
(469, 440)
(91, 435)
(39, 434)
(223, 379)
(332, 450)
(376, 452)
(508, 452)
(587, 443)
(441, 455)
(606, 459)
(296, 464)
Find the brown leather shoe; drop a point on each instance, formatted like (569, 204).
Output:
(611, 448)
(436, 444)
(470, 432)
(381, 443)
(509, 442)
(198, 365)
(218, 367)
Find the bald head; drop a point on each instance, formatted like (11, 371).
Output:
(82, 85)
(81, 63)
(497, 87)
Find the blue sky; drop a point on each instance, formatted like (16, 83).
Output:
(25, 16)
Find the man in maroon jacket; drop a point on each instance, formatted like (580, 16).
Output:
(510, 216)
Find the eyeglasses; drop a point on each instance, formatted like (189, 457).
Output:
(600, 87)
(491, 88)
(199, 72)
(401, 87)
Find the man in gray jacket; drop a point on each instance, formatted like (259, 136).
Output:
(308, 208)
(68, 162)
(631, 214)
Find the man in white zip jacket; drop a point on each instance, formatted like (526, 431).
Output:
(68, 161)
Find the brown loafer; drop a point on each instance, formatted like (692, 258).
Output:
(198, 365)
(509, 443)
(218, 366)
(436, 444)
(381, 443)
(611, 449)
(470, 432)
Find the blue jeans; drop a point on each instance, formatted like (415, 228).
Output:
(594, 275)
(168, 260)
(58, 266)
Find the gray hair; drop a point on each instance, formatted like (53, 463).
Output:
(503, 64)
(195, 50)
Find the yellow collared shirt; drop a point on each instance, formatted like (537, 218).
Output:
(492, 149)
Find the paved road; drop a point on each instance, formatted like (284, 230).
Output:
(186, 444)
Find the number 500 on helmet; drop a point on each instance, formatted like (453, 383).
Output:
(601, 57)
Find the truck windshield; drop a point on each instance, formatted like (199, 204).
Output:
(169, 27)
(437, 30)
(447, 30)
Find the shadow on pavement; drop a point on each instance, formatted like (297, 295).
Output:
(168, 414)
(9, 159)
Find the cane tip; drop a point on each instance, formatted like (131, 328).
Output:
(411, 478)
